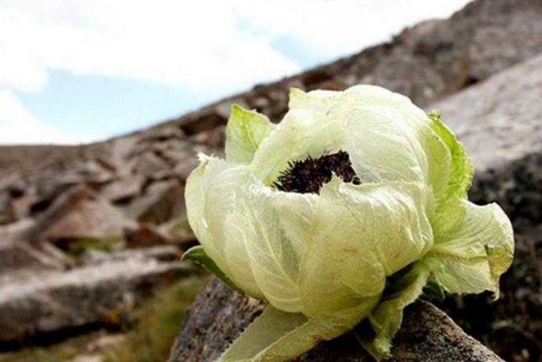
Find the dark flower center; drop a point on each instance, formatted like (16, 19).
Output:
(309, 175)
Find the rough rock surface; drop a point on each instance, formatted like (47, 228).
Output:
(49, 302)
(220, 314)
(498, 120)
(15, 256)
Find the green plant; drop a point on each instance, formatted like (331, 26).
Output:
(345, 210)
(158, 324)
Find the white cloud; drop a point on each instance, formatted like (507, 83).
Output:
(339, 27)
(19, 126)
(209, 48)
(201, 45)
(197, 46)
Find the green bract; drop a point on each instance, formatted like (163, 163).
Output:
(324, 261)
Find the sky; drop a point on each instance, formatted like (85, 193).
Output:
(78, 71)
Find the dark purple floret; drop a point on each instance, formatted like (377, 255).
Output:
(309, 175)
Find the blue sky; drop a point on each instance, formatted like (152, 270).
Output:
(75, 71)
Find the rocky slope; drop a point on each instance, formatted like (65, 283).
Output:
(106, 216)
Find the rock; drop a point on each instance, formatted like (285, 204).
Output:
(144, 236)
(32, 305)
(88, 358)
(183, 169)
(16, 231)
(126, 188)
(79, 214)
(162, 201)
(19, 255)
(219, 315)
(149, 164)
(498, 121)
(178, 231)
(7, 214)
(166, 253)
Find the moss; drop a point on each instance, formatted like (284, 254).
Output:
(65, 351)
(158, 324)
(78, 247)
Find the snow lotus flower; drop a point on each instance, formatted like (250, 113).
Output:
(347, 209)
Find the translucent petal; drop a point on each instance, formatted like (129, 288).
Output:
(387, 317)
(277, 336)
(273, 257)
(462, 170)
(440, 149)
(213, 191)
(302, 133)
(388, 138)
(361, 234)
(197, 188)
(244, 133)
(381, 146)
(474, 245)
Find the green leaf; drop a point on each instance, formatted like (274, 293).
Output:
(198, 256)
(462, 168)
(474, 245)
(278, 336)
(434, 291)
(245, 131)
(387, 317)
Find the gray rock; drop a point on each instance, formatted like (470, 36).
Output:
(166, 253)
(162, 201)
(144, 236)
(149, 164)
(123, 189)
(17, 231)
(19, 255)
(7, 214)
(79, 214)
(178, 231)
(498, 121)
(31, 305)
(219, 315)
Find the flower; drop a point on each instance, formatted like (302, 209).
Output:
(345, 210)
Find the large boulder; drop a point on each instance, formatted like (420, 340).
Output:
(220, 314)
(79, 213)
(499, 123)
(20, 255)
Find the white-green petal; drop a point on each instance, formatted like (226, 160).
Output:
(272, 255)
(277, 336)
(461, 169)
(361, 234)
(474, 245)
(381, 146)
(387, 317)
(213, 194)
(244, 133)
(197, 188)
(438, 151)
(301, 134)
